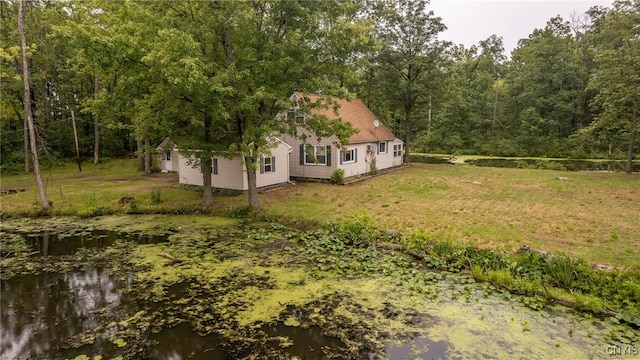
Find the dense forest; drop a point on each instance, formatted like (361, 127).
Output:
(214, 74)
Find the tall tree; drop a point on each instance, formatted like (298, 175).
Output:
(27, 108)
(409, 58)
(229, 69)
(617, 75)
(545, 82)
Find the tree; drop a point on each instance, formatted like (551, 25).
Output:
(27, 108)
(546, 82)
(409, 59)
(617, 75)
(471, 115)
(225, 71)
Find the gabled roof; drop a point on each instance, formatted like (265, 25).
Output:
(356, 113)
(166, 144)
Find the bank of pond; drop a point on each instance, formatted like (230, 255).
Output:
(200, 287)
(530, 163)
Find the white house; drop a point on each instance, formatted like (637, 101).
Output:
(167, 156)
(372, 148)
(231, 173)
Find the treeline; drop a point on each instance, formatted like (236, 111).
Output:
(214, 74)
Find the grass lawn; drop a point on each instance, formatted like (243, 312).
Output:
(592, 215)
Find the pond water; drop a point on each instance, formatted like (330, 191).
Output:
(48, 243)
(89, 309)
(39, 313)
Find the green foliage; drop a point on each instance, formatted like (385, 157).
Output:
(358, 231)
(92, 211)
(132, 207)
(13, 245)
(561, 270)
(373, 167)
(156, 195)
(243, 212)
(337, 177)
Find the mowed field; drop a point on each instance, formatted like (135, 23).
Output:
(591, 215)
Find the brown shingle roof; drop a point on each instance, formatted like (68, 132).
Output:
(356, 113)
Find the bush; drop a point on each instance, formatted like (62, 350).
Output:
(337, 177)
(358, 231)
(561, 270)
(243, 212)
(155, 196)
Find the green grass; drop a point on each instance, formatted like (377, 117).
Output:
(592, 215)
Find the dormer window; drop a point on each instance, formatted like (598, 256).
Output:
(295, 115)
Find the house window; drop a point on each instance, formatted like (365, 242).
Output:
(397, 150)
(382, 147)
(268, 165)
(214, 166)
(295, 115)
(315, 155)
(167, 156)
(349, 156)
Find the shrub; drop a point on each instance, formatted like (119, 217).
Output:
(357, 231)
(243, 212)
(337, 177)
(156, 196)
(373, 167)
(561, 270)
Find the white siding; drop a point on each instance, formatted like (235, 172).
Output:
(232, 173)
(168, 165)
(319, 171)
(360, 166)
(188, 174)
(281, 174)
(364, 159)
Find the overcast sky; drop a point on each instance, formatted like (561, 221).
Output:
(469, 21)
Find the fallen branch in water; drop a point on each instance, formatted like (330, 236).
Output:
(169, 256)
(400, 247)
(544, 254)
(601, 312)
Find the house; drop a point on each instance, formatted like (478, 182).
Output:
(372, 148)
(167, 156)
(231, 173)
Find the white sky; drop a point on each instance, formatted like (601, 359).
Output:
(470, 21)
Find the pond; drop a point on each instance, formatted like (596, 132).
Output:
(227, 292)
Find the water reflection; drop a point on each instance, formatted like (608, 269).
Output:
(181, 342)
(308, 343)
(38, 313)
(48, 243)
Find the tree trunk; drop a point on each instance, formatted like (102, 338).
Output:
(27, 108)
(495, 113)
(252, 182)
(140, 152)
(207, 165)
(96, 126)
(632, 136)
(207, 191)
(147, 156)
(75, 137)
(407, 133)
(27, 168)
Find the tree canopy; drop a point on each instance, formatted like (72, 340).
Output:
(214, 75)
